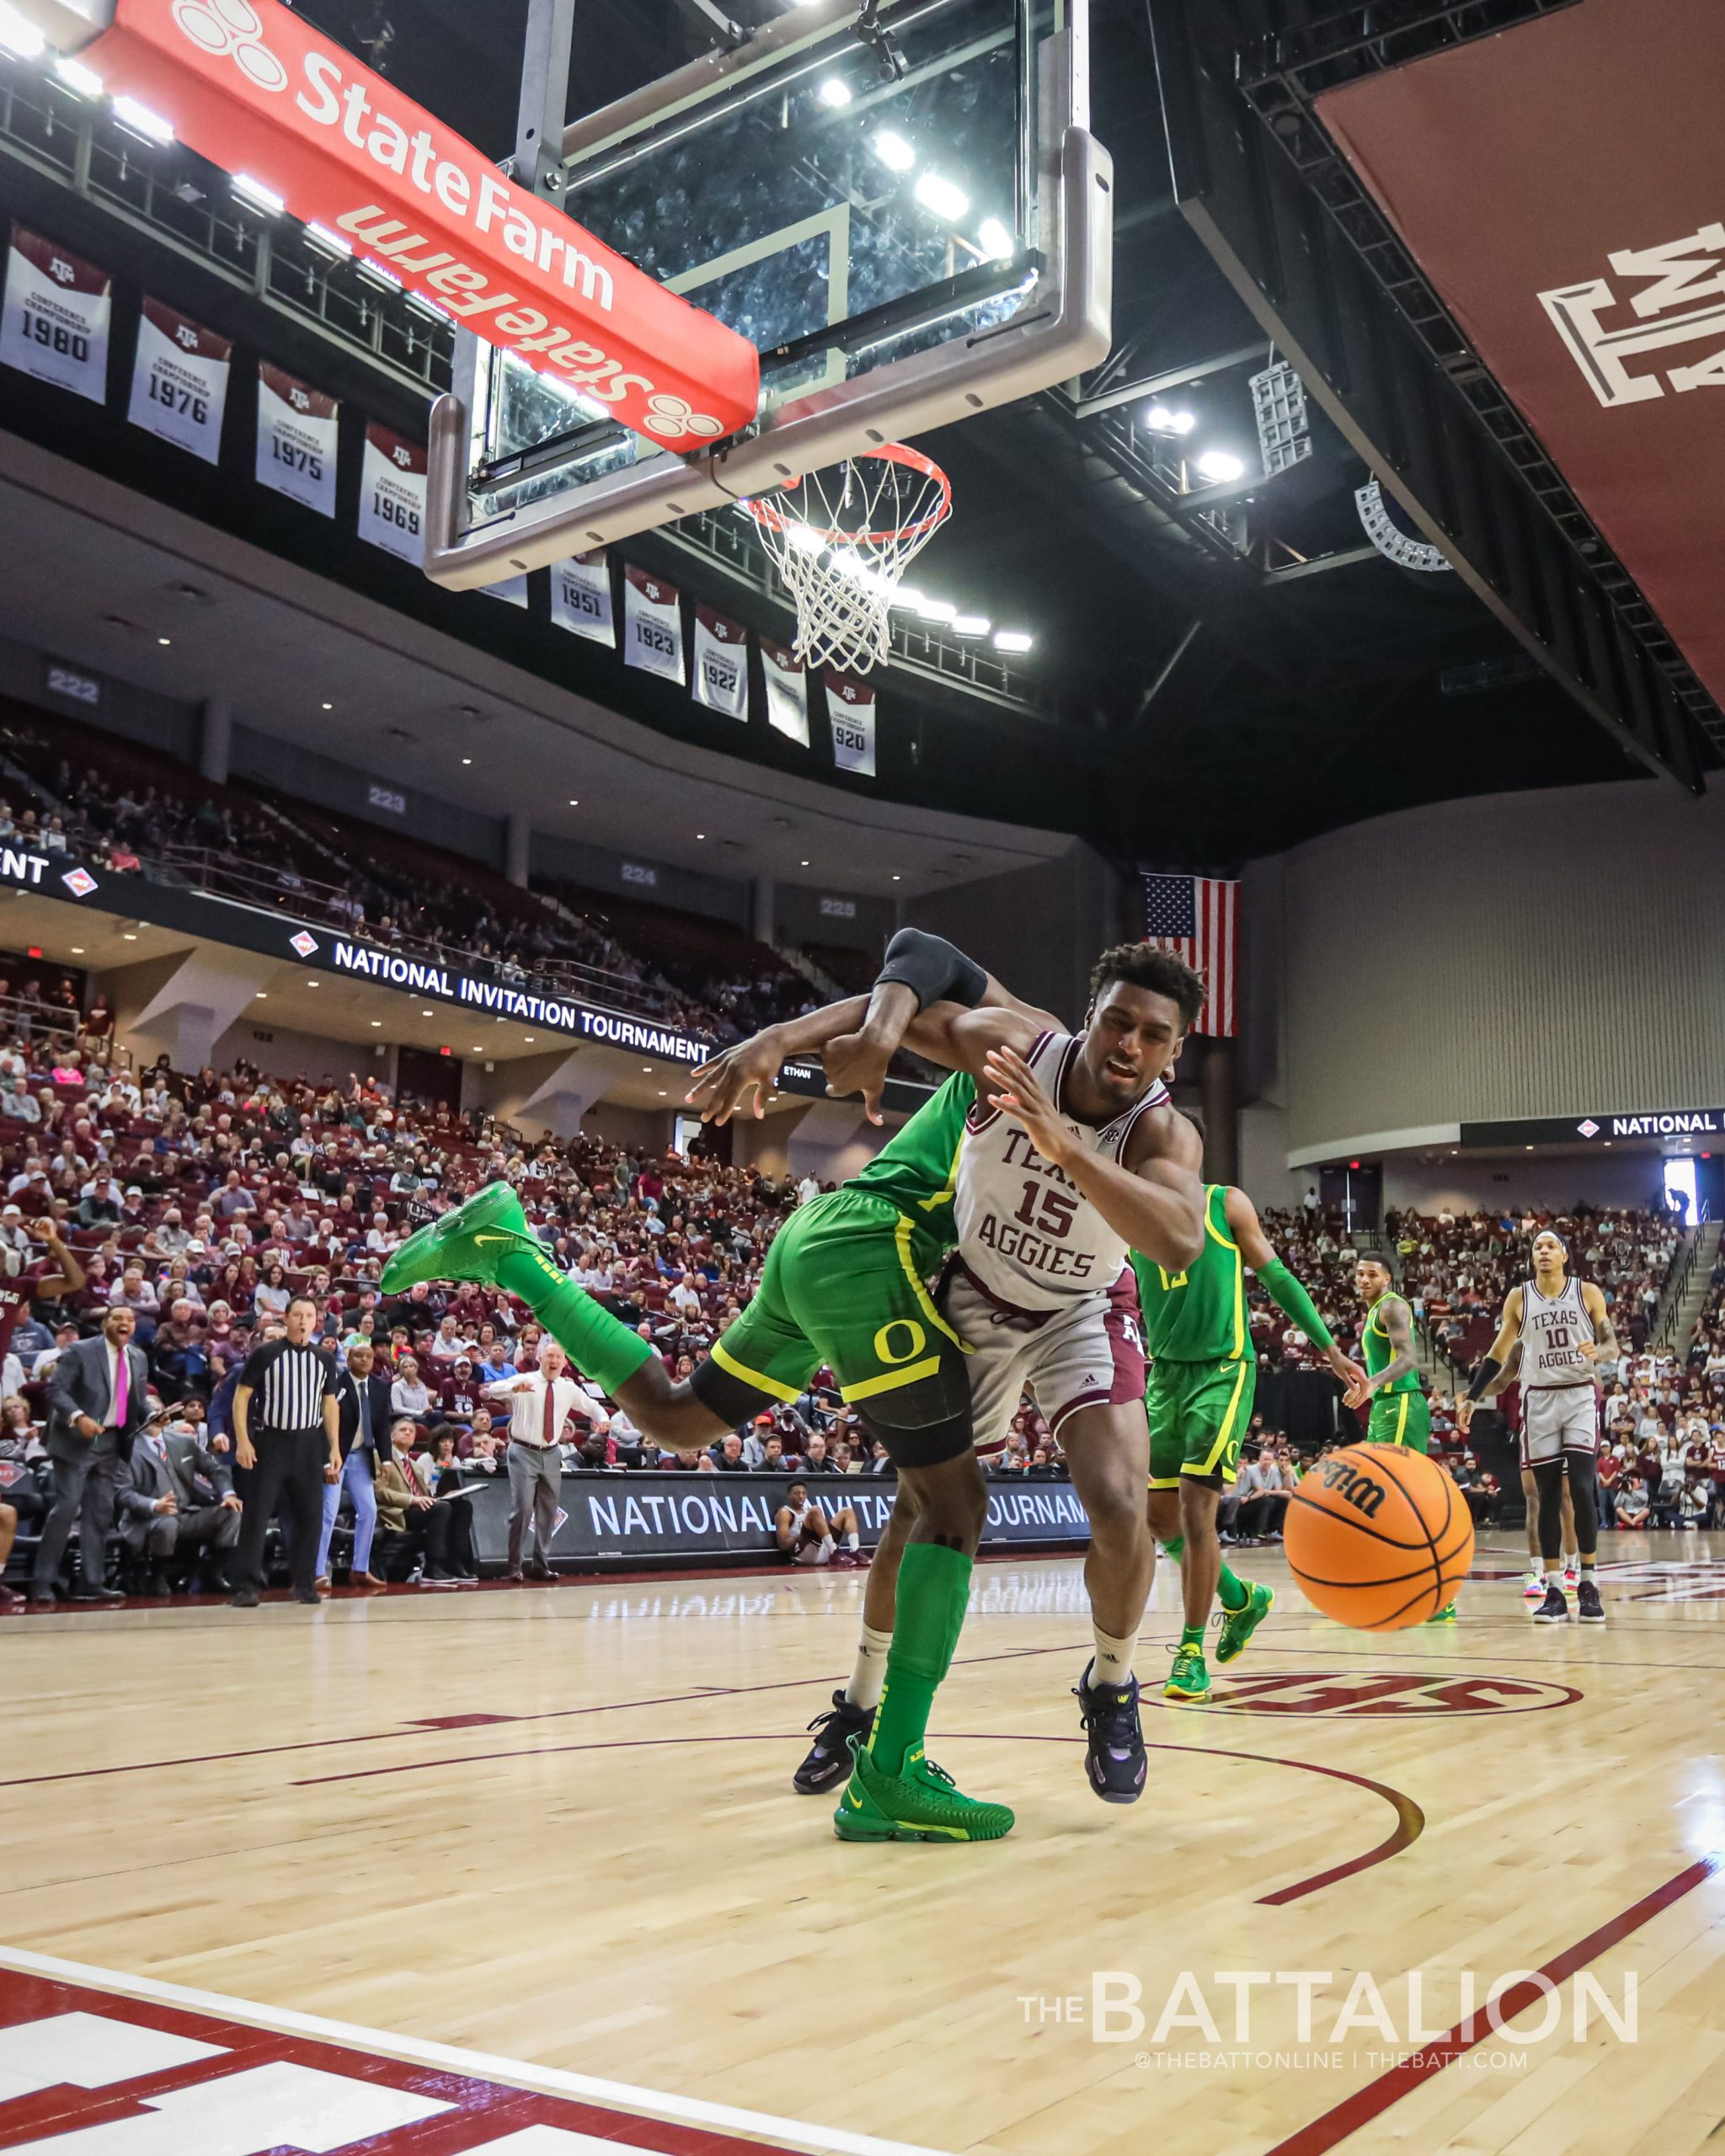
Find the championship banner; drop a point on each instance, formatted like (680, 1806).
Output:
(721, 663)
(393, 494)
(58, 308)
(258, 88)
(513, 590)
(580, 597)
(180, 380)
(786, 691)
(653, 625)
(850, 705)
(298, 428)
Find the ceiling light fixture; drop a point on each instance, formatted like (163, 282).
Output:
(164, 639)
(971, 624)
(75, 76)
(1013, 640)
(321, 237)
(996, 241)
(256, 196)
(141, 120)
(834, 94)
(1220, 467)
(893, 151)
(19, 36)
(942, 196)
(1161, 421)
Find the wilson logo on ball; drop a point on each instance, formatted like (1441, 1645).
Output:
(1360, 1491)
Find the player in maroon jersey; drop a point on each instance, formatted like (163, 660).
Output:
(18, 1294)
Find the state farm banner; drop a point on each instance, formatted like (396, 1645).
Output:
(298, 429)
(180, 380)
(850, 705)
(580, 597)
(653, 624)
(786, 691)
(258, 88)
(58, 308)
(721, 663)
(393, 494)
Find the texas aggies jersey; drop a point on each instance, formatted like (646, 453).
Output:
(17, 1296)
(1027, 1236)
(1553, 1329)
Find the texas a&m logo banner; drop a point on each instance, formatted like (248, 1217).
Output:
(721, 679)
(298, 428)
(580, 597)
(57, 310)
(393, 494)
(180, 380)
(850, 705)
(653, 625)
(786, 691)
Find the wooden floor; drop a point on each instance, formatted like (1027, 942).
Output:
(555, 1826)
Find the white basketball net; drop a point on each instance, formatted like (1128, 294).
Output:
(842, 539)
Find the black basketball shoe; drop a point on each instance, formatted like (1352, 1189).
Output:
(1115, 1760)
(1587, 1605)
(829, 1760)
(1554, 1609)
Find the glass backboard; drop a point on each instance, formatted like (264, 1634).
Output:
(908, 232)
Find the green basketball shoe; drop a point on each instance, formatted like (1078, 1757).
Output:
(1238, 1625)
(1188, 1679)
(464, 1245)
(921, 1805)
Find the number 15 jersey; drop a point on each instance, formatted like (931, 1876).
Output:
(1028, 1236)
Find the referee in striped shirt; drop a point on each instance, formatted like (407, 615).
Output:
(286, 1428)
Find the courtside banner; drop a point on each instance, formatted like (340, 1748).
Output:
(298, 429)
(721, 663)
(180, 380)
(612, 1517)
(653, 624)
(57, 310)
(786, 691)
(393, 494)
(580, 597)
(850, 705)
(260, 90)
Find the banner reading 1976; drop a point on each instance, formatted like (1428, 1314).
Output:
(180, 380)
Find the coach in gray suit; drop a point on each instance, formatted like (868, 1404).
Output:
(176, 1496)
(96, 1406)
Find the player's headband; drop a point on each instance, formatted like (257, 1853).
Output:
(1550, 1235)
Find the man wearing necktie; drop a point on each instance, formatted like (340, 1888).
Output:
(540, 1402)
(364, 1419)
(96, 1406)
(175, 1496)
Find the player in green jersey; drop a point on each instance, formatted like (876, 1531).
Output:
(1399, 1413)
(844, 1285)
(1203, 1369)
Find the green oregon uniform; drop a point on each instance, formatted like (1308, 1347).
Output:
(844, 1283)
(1399, 1413)
(1203, 1368)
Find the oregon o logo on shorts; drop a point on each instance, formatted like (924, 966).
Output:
(883, 1341)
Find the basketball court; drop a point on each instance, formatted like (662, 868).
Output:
(575, 1869)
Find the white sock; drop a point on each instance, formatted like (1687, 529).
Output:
(827, 1547)
(869, 1674)
(854, 1541)
(1113, 1658)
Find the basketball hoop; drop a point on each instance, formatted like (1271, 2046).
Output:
(842, 539)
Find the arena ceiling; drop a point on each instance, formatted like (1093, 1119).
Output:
(1220, 702)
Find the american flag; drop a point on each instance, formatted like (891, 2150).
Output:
(1197, 918)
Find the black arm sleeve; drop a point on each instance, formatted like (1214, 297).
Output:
(1487, 1370)
(933, 969)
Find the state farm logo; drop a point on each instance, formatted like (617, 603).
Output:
(61, 271)
(1589, 1128)
(672, 416)
(1361, 1693)
(232, 29)
(304, 944)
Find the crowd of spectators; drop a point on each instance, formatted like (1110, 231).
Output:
(136, 813)
(202, 1203)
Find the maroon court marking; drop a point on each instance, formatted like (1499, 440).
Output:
(1410, 1820)
(1372, 2101)
(477, 2107)
(1363, 1693)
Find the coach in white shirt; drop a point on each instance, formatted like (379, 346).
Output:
(540, 1402)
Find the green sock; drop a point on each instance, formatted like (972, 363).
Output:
(934, 1591)
(602, 1347)
(1232, 1592)
(1173, 1549)
(1193, 1637)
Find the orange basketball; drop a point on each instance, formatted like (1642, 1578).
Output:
(1378, 1537)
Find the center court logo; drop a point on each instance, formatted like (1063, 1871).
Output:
(232, 29)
